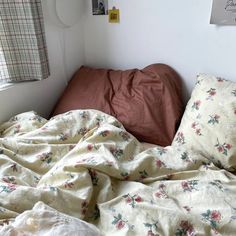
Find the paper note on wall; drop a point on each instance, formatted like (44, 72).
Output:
(223, 12)
(100, 7)
(114, 15)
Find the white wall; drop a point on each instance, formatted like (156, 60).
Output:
(177, 33)
(41, 96)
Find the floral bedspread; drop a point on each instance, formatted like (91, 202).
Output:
(83, 163)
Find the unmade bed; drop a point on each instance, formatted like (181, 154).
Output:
(83, 166)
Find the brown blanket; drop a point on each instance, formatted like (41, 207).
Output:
(147, 102)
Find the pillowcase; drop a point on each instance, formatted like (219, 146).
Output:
(209, 121)
(147, 102)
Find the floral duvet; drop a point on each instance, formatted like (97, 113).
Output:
(84, 164)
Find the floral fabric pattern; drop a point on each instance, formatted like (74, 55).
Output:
(85, 164)
(185, 228)
(213, 217)
(209, 122)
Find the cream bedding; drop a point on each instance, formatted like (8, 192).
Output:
(84, 164)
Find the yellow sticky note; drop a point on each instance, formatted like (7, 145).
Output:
(114, 16)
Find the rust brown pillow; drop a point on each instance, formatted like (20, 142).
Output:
(148, 102)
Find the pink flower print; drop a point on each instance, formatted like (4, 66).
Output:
(128, 199)
(125, 175)
(158, 194)
(211, 93)
(151, 227)
(8, 188)
(180, 138)
(196, 105)
(94, 177)
(195, 126)
(84, 206)
(138, 199)
(9, 179)
(132, 200)
(161, 194)
(120, 224)
(11, 187)
(162, 191)
(228, 146)
(198, 132)
(185, 185)
(186, 228)
(159, 163)
(90, 147)
(220, 149)
(184, 224)
(189, 186)
(162, 186)
(223, 148)
(68, 184)
(215, 215)
(150, 233)
(17, 129)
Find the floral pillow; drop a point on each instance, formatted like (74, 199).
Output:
(208, 125)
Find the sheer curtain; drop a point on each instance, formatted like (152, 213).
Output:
(23, 52)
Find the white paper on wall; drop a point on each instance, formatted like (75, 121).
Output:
(223, 12)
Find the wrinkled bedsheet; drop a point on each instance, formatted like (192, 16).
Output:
(84, 164)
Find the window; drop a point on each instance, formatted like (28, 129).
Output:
(3, 67)
(23, 52)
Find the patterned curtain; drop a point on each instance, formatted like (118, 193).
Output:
(23, 52)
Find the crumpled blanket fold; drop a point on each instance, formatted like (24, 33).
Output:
(42, 220)
(85, 165)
